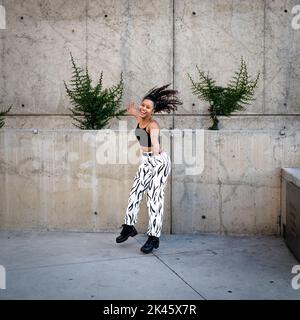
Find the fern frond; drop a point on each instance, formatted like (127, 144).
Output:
(93, 106)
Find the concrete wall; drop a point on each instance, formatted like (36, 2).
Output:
(55, 180)
(239, 189)
(152, 42)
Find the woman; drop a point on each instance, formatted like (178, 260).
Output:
(154, 168)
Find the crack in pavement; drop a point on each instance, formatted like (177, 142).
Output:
(176, 274)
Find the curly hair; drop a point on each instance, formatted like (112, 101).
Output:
(163, 100)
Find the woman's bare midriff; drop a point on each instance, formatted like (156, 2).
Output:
(147, 149)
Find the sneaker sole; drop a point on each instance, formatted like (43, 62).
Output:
(132, 234)
(149, 251)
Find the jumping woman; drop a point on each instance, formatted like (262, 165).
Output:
(154, 168)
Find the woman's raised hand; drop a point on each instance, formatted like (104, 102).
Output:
(131, 108)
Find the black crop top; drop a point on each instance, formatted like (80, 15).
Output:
(144, 137)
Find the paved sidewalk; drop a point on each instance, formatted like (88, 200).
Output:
(71, 265)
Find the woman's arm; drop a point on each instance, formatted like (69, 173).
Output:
(154, 134)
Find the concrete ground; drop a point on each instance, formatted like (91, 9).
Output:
(71, 265)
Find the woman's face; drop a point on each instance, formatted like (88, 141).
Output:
(146, 108)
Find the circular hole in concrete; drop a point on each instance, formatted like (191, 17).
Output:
(203, 217)
(95, 212)
(105, 15)
(193, 104)
(194, 13)
(271, 281)
(23, 105)
(229, 291)
(285, 10)
(21, 17)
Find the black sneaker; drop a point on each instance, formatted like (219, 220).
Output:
(152, 242)
(127, 231)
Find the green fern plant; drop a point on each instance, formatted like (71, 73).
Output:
(93, 106)
(2, 115)
(225, 100)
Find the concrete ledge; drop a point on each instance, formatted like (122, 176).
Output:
(292, 175)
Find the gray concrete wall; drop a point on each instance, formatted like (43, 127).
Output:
(152, 42)
(57, 180)
(239, 189)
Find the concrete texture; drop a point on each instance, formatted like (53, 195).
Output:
(66, 265)
(152, 43)
(235, 122)
(54, 180)
(239, 188)
(108, 36)
(58, 183)
(215, 35)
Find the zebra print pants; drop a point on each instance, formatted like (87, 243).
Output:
(151, 177)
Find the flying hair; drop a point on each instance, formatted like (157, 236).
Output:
(163, 99)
